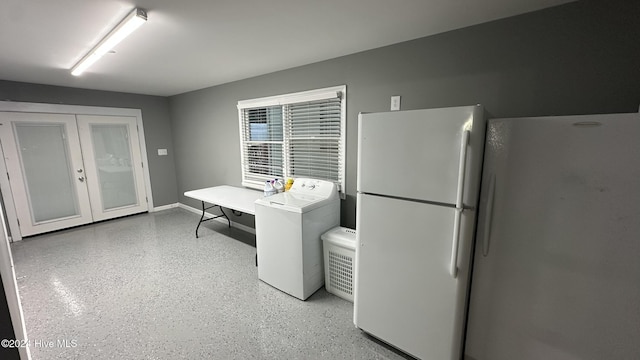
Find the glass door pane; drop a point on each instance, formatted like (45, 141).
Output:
(113, 159)
(47, 171)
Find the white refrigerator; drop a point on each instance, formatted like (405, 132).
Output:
(556, 271)
(417, 192)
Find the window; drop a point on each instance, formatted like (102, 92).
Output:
(293, 135)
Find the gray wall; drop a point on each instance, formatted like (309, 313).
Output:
(578, 58)
(155, 117)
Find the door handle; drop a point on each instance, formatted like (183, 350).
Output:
(489, 216)
(79, 170)
(81, 178)
(462, 167)
(453, 267)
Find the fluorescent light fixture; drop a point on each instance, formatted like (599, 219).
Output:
(136, 18)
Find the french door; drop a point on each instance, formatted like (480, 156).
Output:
(67, 170)
(112, 156)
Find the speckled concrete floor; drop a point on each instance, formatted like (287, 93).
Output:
(143, 287)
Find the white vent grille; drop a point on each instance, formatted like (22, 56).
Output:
(341, 273)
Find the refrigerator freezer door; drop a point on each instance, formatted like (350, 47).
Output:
(416, 154)
(404, 293)
(556, 268)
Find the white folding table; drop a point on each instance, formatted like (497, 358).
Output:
(230, 197)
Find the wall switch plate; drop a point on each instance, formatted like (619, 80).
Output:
(162, 152)
(395, 103)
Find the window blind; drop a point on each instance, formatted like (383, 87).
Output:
(262, 139)
(313, 141)
(293, 135)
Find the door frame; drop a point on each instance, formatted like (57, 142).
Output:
(27, 107)
(10, 284)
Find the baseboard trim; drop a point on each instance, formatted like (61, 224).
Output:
(221, 220)
(165, 207)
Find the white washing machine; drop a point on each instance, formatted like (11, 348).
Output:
(288, 229)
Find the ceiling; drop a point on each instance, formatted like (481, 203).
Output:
(192, 44)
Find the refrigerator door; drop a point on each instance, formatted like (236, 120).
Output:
(556, 268)
(404, 293)
(417, 154)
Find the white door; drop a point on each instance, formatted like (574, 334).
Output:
(113, 161)
(67, 170)
(404, 293)
(46, 172)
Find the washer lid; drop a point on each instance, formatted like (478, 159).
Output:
(293, 202)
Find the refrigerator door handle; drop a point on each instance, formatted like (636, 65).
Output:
(462, 167)
(453, 269)
(489, 216)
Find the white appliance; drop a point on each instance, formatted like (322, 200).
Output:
(288, 230)
(418, 180)
(556, 270)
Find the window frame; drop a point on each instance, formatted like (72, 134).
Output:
(283, 101)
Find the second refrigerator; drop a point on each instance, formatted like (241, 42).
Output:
(418, 180)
